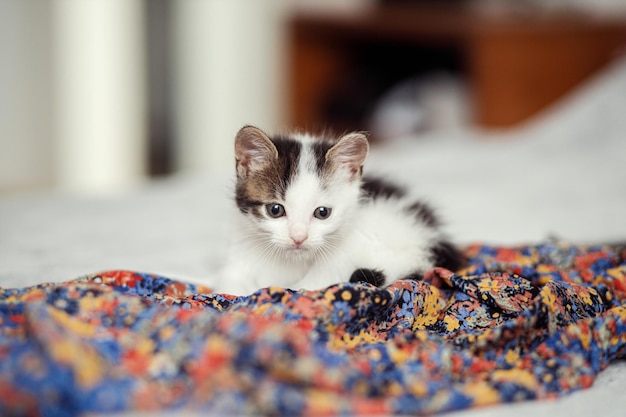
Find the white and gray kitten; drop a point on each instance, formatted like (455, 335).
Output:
(310, 219)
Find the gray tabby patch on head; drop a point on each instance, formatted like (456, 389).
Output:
(267, 165)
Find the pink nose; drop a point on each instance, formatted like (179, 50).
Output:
(299, 240)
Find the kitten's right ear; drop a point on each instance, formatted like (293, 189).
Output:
(254, 151)
(349, 154)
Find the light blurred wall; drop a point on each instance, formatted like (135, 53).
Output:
(72, 111)
(229, 68)
(26, 121)
(100, 106)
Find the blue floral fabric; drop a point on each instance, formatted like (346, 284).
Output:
(517, 323)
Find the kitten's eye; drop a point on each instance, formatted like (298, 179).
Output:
(322, 213)
(275, 210)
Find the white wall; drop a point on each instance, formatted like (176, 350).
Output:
(25, 95)
(99, 94)
(72, 111)
(229, 67)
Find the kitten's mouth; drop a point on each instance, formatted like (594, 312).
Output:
(299, 250)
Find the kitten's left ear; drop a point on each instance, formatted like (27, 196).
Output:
(349, 154)
(254, 151)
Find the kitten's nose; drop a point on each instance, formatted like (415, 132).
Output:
(298, 234)
(299, 240)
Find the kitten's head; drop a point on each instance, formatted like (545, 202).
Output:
(297, 191)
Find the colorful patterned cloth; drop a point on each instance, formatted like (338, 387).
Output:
(516, 324)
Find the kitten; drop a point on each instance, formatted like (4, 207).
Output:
(309, 218)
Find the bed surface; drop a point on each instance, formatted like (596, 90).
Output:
(562, 175)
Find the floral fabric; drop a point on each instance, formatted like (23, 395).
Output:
(519, 323)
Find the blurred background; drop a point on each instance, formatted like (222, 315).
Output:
(101, 95)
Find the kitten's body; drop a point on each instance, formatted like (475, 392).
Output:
(310, 220)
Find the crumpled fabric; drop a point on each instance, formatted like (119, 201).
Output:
(517, 323)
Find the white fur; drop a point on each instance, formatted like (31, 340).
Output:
(377, 234)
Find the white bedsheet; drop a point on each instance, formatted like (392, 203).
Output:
(564, 175)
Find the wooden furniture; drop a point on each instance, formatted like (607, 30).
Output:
(517, 63)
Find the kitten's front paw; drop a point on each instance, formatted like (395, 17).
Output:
(371, 276)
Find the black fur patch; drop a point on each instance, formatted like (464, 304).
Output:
(245, 204)
(320, 148)
(378, 188)
(287, 165)
(424, 214)
(448, 256)
(371, 276)
(415, 276)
